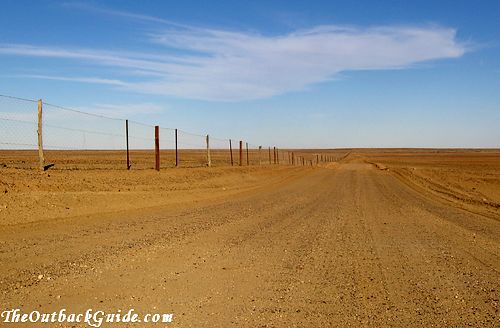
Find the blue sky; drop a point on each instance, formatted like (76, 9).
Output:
(291, 73)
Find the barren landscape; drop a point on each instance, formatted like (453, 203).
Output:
(376, 238)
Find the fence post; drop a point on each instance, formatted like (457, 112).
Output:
(176, 150)
(270, 155)
(231, 151)
(157, 147)
(317, 159)
(209, 161)
(126, 136)
(274, 155)
(260, 158)
(248, 161)
(241, 153)
(41, 158)
(293, 158)
(277, 156)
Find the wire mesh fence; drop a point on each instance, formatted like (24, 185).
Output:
(32, 132)
(73, 139)
(18, 124)
(35, 134)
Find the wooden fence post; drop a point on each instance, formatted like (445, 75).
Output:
(260, 158)
(317, 159)
(209, 161)
(241, 153)
(231, 151)
(293, 158)
(157, 147)
(277, 156)
(126, 137)
(248, 160)
(41, 158)
(176, 150)
(269, 155)
(274, 155)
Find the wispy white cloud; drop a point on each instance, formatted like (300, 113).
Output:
(122, 14)
(221, 65)
(93, 80)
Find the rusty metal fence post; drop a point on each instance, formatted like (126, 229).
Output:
(157, 147)
(126, 137)
(231, 151)
(176, 150)
(241, 153)
(248, 160)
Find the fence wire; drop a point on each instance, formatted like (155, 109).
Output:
(74, 139)
(18, 126)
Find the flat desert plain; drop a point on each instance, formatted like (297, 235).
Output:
(377, 238)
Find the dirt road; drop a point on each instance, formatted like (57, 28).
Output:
(350, 246)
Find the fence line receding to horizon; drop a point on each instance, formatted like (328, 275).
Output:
(38, 134)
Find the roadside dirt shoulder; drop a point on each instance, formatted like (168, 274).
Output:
(30, 196)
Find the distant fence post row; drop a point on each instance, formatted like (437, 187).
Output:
(71, 123)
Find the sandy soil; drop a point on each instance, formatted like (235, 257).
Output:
(469, 180)
(30, 195)
(348, 244)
